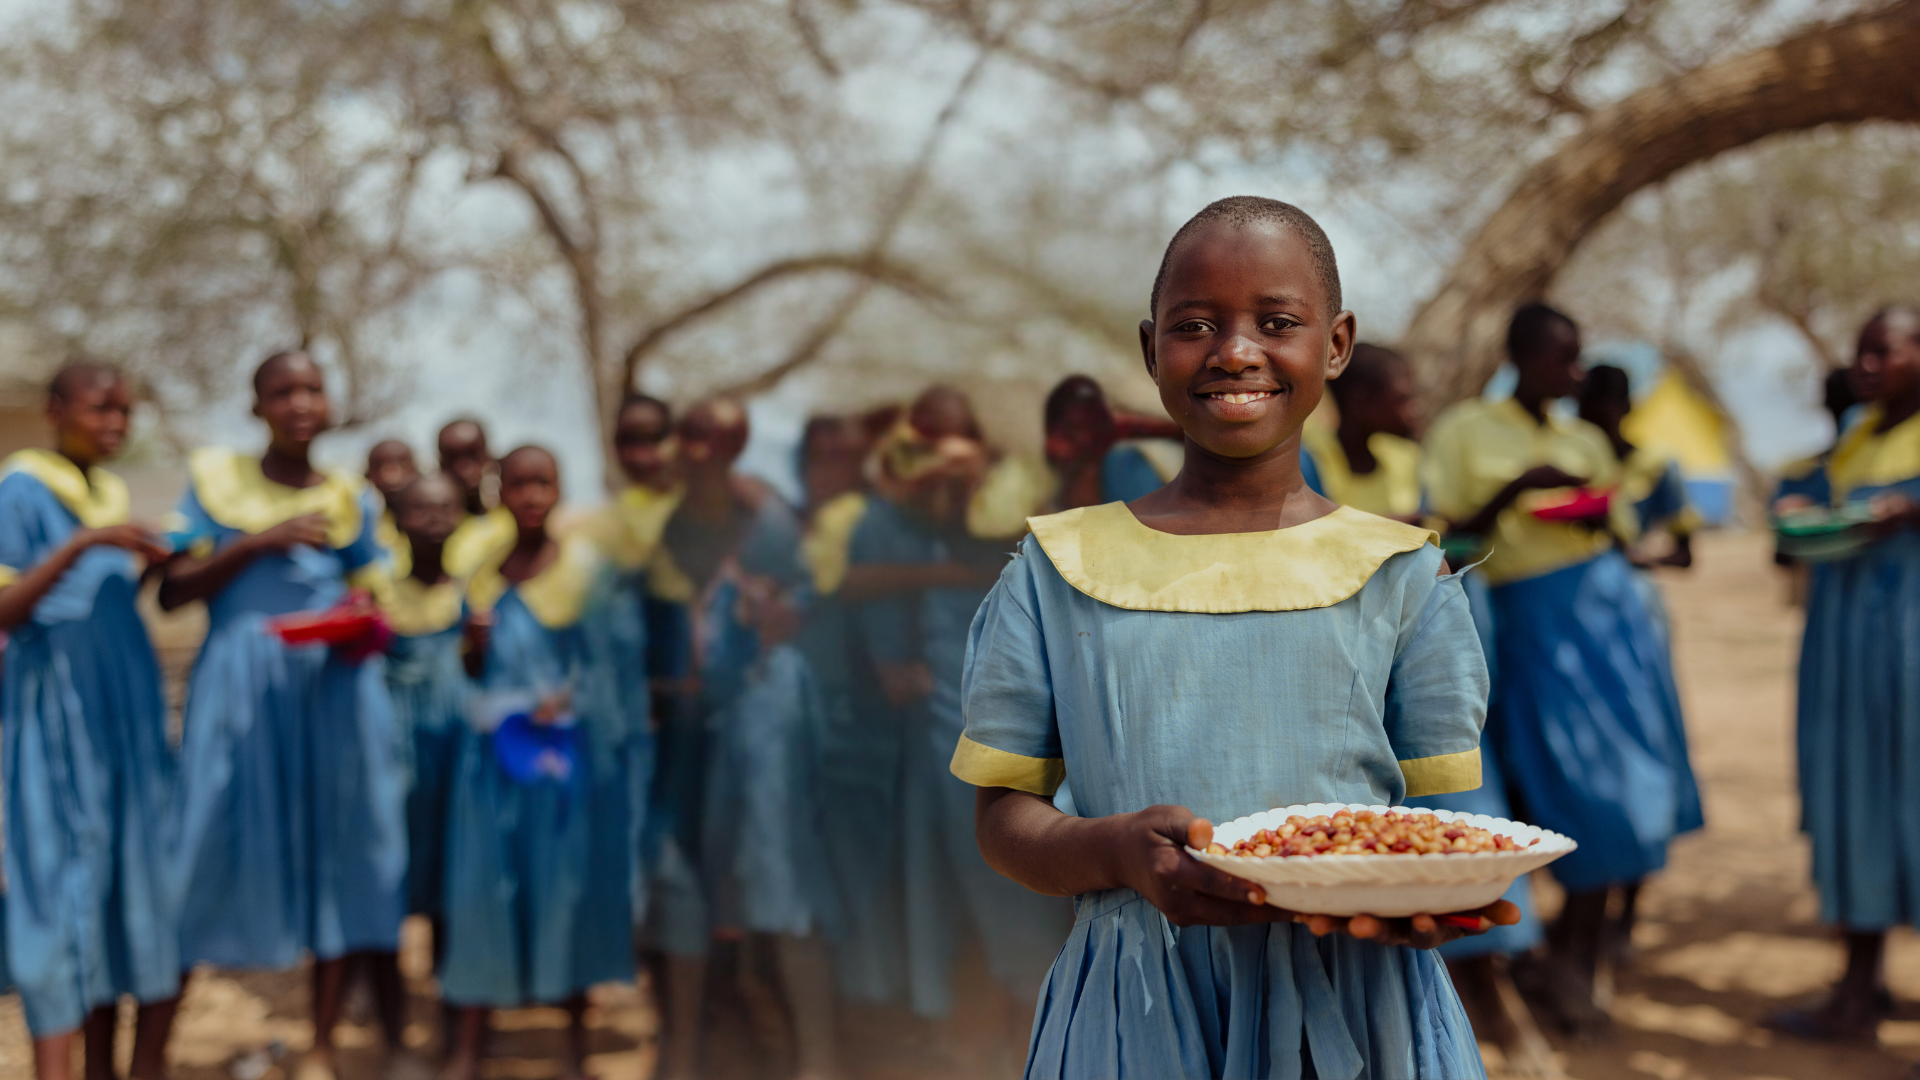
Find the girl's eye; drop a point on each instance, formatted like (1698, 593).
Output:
(1278, 322)
(1192, 326)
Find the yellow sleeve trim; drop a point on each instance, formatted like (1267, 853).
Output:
(983, 766)
(8, 575)
(1442, 774)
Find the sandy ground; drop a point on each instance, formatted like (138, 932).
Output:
(1728, 931)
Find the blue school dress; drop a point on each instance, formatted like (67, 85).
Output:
(763, 847)
(293, 767)
(684, 565)
(950, 890)
(1586, 713)
(540, 860)
(1229, 674)
(1859, 705)
(89, 777)
(859, 763)
(430, 688)
(1393, 489)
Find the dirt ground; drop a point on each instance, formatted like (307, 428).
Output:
(1728, 932)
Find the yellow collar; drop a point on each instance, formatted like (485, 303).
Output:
(97, 497)
(628, 529)
(826, 548)
(557, 596)
(234, 492)
(1105, 552)
(1867, 457)
(477, 538)
(1393, 487)
(417, 609)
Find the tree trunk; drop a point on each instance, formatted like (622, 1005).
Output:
(1845, 72)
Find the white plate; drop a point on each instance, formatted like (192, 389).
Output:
(1385, 885)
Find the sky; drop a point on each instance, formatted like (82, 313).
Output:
(464, 365)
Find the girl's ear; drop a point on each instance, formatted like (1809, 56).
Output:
(1340, 339)
(1146, 350)
(256, 409)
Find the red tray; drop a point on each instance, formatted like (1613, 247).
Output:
(334, 627)
(1585, 505)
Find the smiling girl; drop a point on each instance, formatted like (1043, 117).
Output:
(294, 785)
(1229, 643)
(89, 774)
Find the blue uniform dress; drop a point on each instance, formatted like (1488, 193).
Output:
(1229, 674)
(859, 768)
(950, 890)
(89, 777)
(540, 867)
(293, 767)
(1859, 707)
(763, 849)
(1586, 713)
(430, 688)
(1393, 489)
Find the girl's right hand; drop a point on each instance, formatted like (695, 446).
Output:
(135, 538)
(309, 530)
(1150, 850)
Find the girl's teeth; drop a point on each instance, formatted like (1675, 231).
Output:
(1243, 397)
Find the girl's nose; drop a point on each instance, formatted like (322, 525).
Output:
(1236, 354)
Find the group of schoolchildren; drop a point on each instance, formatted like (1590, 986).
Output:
(696, 715)
(832, 741)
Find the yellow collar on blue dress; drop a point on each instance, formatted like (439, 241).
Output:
(97, 497)
(628, 529)
(1867, 457)
(557, 595)
(1105, 552)
(827, 549)
(477, 539)
(234, 492)
(417, 609)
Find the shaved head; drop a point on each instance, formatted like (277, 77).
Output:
(1239, 211)
(79, 375)
(529, 457)
(277, 363)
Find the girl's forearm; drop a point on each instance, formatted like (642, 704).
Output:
(18, 600)
(191, 579)
(1024, 837)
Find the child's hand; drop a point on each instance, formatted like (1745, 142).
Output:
(474, 638)
(1547, 476)
(1419, 931)
(135, 538)
(309, 530)
(1150, 847)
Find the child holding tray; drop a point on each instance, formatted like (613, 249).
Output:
(1857, 710)
(1229, 643)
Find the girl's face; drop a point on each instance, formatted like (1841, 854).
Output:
(1888, 358)
(641, 440)
(430, 510)
(293, 401)
(831, 463)
(1554, 370)
(529, 488)
(1243, 343)
(90, 423)
(390, 467)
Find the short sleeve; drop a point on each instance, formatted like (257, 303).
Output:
(364, 549)
(1012, 737)
(1437, 695)
(189, 527)
(17, 547)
